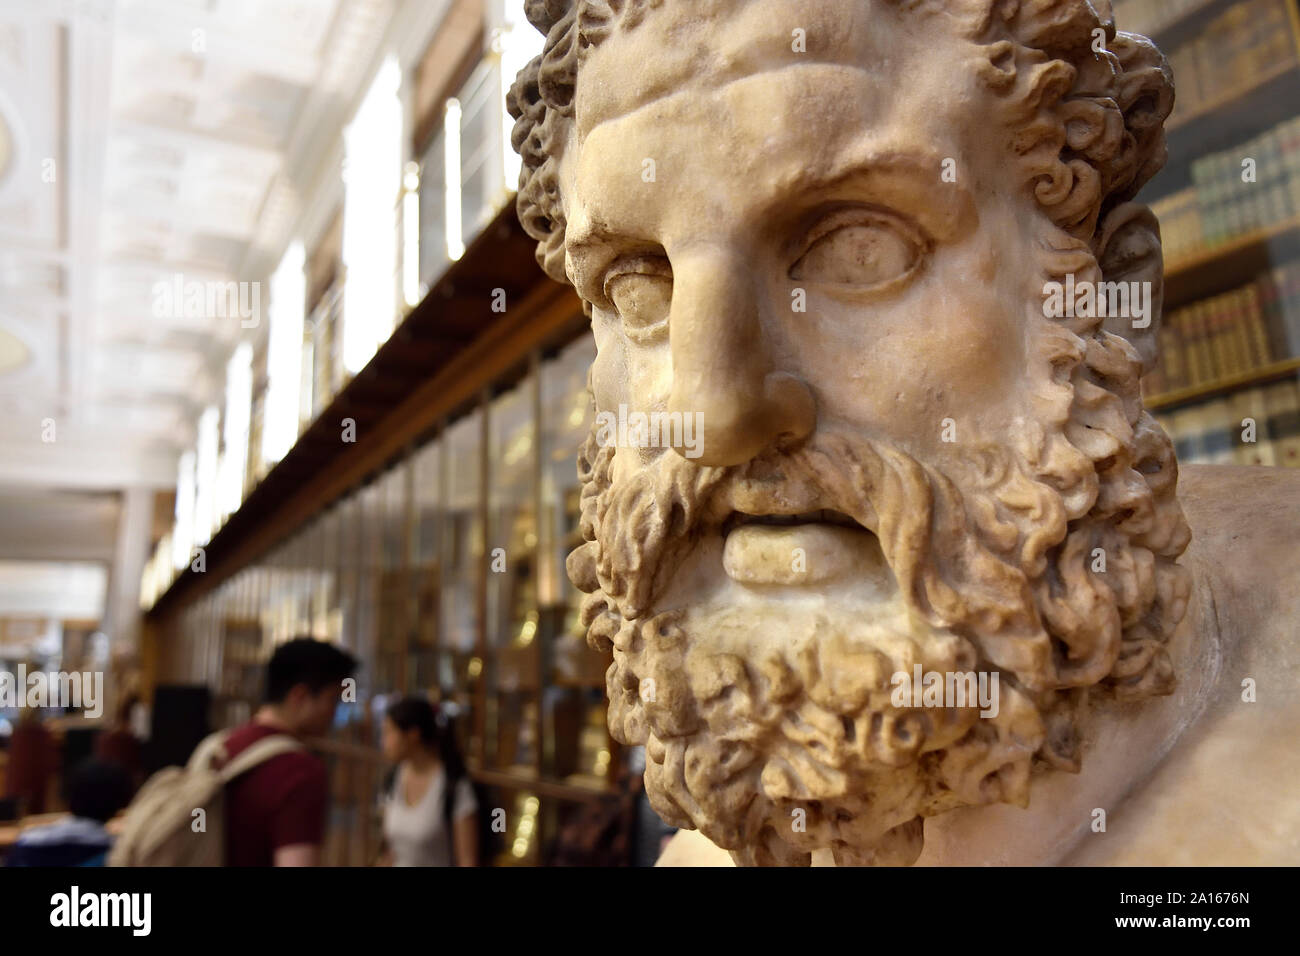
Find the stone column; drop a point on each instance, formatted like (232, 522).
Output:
(122, 603)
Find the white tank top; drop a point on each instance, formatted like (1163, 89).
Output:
(417, 835)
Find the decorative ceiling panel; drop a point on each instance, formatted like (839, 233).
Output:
(164, 131)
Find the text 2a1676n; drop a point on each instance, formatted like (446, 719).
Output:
(1190, 896)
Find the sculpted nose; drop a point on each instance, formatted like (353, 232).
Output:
(722, 368)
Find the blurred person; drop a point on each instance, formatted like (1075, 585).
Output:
(275, 813)
(429, 810)
(140, 720)
(33, 759)
(97, 790)
(119, 744)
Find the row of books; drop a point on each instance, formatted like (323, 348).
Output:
(1252, 426)
(1235, 191)
(1230, 334)
(1235, 50)
(1148, 17)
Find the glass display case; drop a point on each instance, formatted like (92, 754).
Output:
(574, 673)
(511, 657)
(391, 585)
(463, 595)
(425, 580)
(444, 575)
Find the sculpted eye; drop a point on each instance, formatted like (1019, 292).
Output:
(641, 290)
(860, 250)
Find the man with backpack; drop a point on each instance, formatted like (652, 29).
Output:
(252, 796)
(275, 813)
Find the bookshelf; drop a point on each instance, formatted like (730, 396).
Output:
(1257, 376)
(1226, 389)
(1230, 99)
(1171, 23)
(1199, 274)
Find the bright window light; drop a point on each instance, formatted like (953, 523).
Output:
(517, 43)
(239, 403)
(372, 184)
(183, 532)
(205, 475)
(284, 355)
(451, 137)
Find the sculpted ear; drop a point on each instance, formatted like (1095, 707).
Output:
(1129, 251)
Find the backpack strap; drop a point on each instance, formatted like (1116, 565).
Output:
(259, 753)
(211, 749)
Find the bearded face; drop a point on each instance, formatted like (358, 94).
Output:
(903, 465)
(759, 614)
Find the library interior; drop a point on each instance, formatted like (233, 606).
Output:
(278, 362)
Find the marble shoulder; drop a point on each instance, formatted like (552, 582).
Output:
(1246, 516)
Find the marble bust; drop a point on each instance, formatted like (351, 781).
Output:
(920, 588)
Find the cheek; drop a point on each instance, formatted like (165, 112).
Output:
(639, 377)
(950, 347)
(608, 374)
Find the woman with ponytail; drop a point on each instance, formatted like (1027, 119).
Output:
(429, 809)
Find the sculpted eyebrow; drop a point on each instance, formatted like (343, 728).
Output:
(915, 183)
(911, 182)
(590, 249)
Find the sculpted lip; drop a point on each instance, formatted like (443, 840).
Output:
(811, 547)
(818, 516)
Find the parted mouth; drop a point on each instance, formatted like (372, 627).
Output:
(818, 516)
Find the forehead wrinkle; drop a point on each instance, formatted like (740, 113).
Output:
(710, 114)
(690, 44)
(593, 112)
(775, 161)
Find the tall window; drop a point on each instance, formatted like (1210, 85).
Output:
(481, 188)
(284, 355)
(372, 181)
(451, 156)
(239, 404)
(517, 43)
(183, 532)
(433, 203)
(205, 475)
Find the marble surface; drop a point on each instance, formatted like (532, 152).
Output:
(1225, 790)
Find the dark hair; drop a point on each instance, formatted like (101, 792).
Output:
(97, 789)
(317, 664)
(437, 731)
(415, 713)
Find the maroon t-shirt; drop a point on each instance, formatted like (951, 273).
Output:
(33, 758)
(278, 803)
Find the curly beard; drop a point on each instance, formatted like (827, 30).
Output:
(774, 733)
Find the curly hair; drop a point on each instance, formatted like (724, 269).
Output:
(1087, 118)
(998, 549)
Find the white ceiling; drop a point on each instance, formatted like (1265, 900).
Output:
(66, 590)
(39, 524)
(140, 140)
